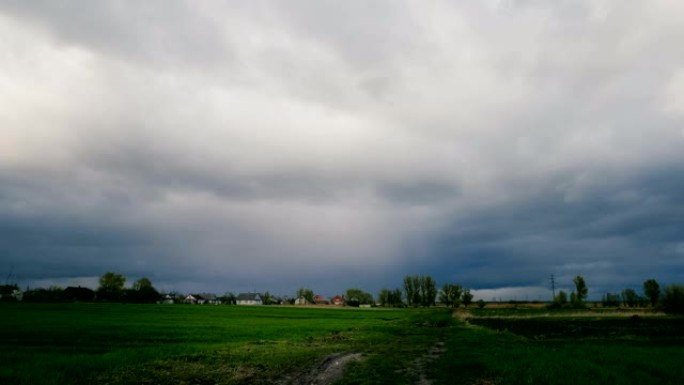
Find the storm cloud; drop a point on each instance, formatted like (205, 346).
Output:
(271, 145)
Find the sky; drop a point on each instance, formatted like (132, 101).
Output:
(270, 145)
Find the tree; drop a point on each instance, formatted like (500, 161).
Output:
(611, 300)
(421, 290)
(430, 290)
(561, 300)
(581, 290)
(307, 293)
(142, 284)
(630, 298)
(356, 297)
(410, 290)
(467, 297)
(384, 298)
(451, 295)
(396, 299)
(142, 292)
(267, 298)
(652, 291)
(673, 299)
(481, 304)
(229, 298)
(390, 298)
(111, 286)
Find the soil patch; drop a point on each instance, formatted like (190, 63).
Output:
(418, 366)
(328, 371)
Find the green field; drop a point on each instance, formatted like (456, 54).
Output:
(177, 344)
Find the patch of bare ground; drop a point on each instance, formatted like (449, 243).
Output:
(328, 371)
(418, 367)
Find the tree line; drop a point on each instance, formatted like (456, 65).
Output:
(111, 289)
(669, 300)
(421, 291)
(416, 291)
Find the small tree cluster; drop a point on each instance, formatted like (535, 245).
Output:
(112, 289)
(356, 297)
(390, 298)
(307, 293)
(610, 300)
(451, 295)
(420, 290)
(631, 298)
(577, 297)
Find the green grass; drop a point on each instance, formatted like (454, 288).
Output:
(176, 344)
(122, 344)
(563, 348)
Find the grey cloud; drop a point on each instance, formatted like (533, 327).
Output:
(170, 33)
(342, 145)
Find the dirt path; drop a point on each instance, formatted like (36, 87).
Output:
(327, 372)
(419, 365)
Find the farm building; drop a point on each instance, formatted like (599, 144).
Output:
(301, 301)
(249, 299)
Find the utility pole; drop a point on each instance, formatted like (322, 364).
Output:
(553, 285)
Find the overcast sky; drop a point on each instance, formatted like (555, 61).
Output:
(269, 145)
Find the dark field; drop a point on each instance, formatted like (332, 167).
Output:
(656, 330)
(177, 344)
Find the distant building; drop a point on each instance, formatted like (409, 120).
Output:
(78, 294)
(167, 299)
(301, 301)
(194, 299)
(337, 300)
(10, 293)
(321, 300)
(249, 299)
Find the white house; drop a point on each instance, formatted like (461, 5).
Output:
(249, 299)
(195, 299)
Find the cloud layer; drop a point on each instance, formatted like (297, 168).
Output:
(267, 146)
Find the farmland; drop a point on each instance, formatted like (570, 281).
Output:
(175, 344)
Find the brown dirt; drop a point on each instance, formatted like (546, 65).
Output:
(327, 372)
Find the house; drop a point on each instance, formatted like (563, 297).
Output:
(249, 299)
(167, 299)
(194, 299)
(211, 299)
(321, 300)
(301, 301)
(338, 300)
(10, 293)
(78, 294)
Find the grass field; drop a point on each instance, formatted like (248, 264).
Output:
(176, 344)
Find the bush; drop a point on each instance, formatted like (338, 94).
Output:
(673, 299)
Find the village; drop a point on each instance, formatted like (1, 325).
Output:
(12, 293)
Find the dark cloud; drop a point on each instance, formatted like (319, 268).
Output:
(268, 146)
